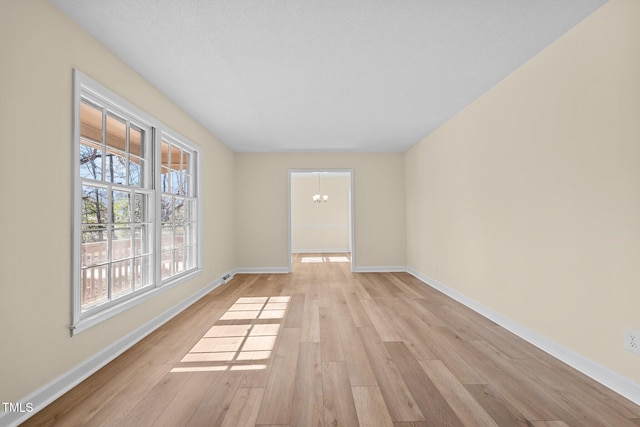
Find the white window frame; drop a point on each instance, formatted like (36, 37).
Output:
(90, 90)
(166, 137)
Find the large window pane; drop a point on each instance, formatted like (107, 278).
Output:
(166, 209)
(136, 141)
(94, 205)
(180, 210)
(121, 207)
(175, 156)
(116, 167)
(140, 243)
(121, 278)
(95, 286)
(178, 261)
(116, 133)
(136, 166)
(164, 168)
(179, 240)
(141, 276)
(175, 182)
(167, 237)
(90, 160)
(166, 263)
(121, 244)
(185, 176)
(140, 207)
(184, 183)
(90, 122)
(95, 246)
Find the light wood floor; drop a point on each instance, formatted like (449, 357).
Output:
(324, 346)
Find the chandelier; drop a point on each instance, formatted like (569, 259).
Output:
(320, 198)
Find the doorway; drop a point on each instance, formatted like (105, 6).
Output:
(321, 214)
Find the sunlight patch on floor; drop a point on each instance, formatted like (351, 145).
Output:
(319, 259)
(252, 337)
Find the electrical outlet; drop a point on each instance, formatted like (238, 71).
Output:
(632, 340)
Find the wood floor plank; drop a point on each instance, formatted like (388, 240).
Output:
(289, 285)
(326, 323)
(93, 403)
(358, 288)
(355, 354)
(278, 394)
(370, 407)
(115, 411)
(330, 344)
(496, 406)
(594, 408)
(414, 339)
(371, 284)
(149, 408)
(308, 400)
(340, 305)
(339, 407)
(258, 378)
(381, 321)
(432, 403)
(360, 316)
(310, 328)
(533, 399)
(216, 400)
(549, 424)
(465, 324)
(411, 424)
(448, 350)
(509, 344)
(185, 402)
(468, 410)
(411, 307)
(295, 312)
(57, 411)
(399, 400)
(570, 379)
(244, 408)
(404, 289)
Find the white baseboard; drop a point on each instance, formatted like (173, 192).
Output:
(56, 388)
(383, 269)
(599, 373)
(262, 270)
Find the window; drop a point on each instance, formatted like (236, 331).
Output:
(135, 205)
(177, 205)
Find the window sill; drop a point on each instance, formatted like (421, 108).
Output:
(96, 318)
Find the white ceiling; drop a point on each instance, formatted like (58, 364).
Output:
(325, 75)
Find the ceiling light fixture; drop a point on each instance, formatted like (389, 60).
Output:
(320, 198)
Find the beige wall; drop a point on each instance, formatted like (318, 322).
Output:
(528, 201)
(39, 47)
(320, 227)
(261, 205)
